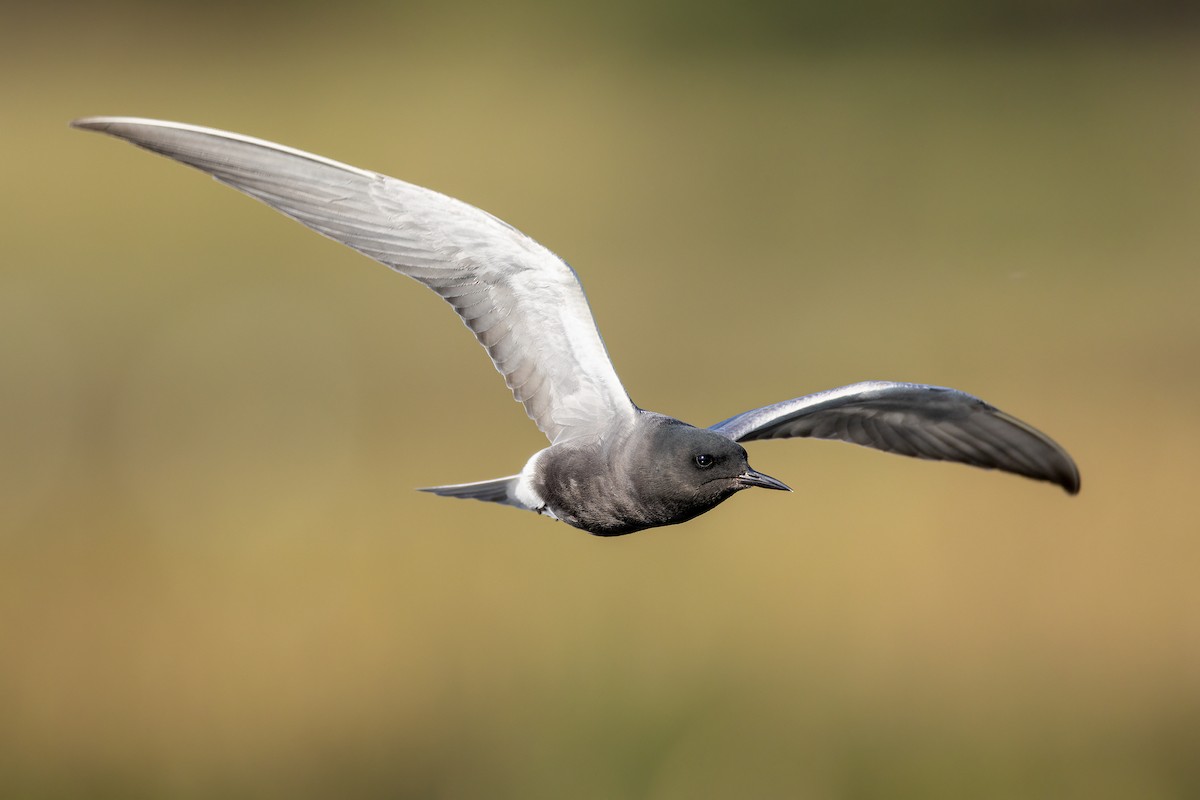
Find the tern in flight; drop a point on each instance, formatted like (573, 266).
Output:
(611, 468)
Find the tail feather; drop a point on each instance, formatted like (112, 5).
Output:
(500, 490)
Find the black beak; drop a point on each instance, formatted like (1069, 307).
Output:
(751, 478)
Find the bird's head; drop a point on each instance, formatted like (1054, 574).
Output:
(690, 470)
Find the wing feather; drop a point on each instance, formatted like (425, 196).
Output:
(913, 419)
(522, 302)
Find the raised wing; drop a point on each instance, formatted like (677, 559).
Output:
(913, 420)
(524, 304)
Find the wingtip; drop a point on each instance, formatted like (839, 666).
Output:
(93, 123)
(106, 123)
(1068, 476)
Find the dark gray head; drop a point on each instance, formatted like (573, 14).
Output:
(684, 471)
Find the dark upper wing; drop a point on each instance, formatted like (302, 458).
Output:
(523, 303)
(913, 420)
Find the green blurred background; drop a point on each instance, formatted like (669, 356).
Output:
(216, 580)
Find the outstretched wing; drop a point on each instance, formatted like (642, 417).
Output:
(523, 303)
(913, 420)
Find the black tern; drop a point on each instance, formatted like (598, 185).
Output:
(611, 467)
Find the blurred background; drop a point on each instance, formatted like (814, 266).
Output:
(216, 580)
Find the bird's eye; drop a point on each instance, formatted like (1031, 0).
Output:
(704, 461)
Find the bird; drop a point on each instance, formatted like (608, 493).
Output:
(611, 468)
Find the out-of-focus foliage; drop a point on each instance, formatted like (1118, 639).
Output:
(215, 580)
(754, 24)
(783, 23)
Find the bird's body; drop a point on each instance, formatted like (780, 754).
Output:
(655, 471)
(611, 468)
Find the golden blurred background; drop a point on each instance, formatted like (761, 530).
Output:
(216, 580)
